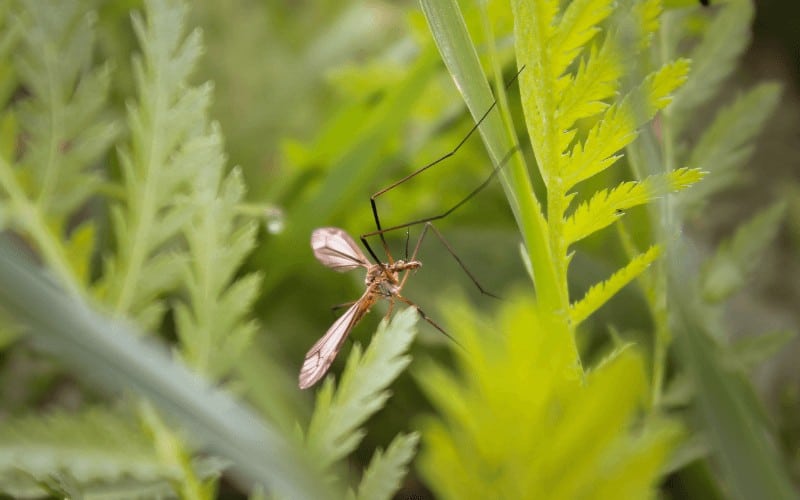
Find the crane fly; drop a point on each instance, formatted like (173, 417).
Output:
(335, 249)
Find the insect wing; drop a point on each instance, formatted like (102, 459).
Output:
(336, 249)
(322, 354)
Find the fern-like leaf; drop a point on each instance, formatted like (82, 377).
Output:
(619, 124)
(334, 429)
(386, 470)
(727, 144)
(63, 136)
(714, 58)
(93, 447)
(212, 325)
(578, 438)
(600, 293)
(168, 129)
(736, 258)
(605, 207)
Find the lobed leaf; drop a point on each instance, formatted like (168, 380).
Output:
(578, 438)
(726, 272)
(576, 28)
(606, 206)
(726, 145)
(713, 59)
(335, 430)
(169, 144)
(618, 127)
(385, 471)
(600, 293)
(94, 446)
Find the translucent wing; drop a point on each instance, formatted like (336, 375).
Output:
(336, 249)
(322, 354)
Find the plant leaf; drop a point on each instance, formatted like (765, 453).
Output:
(600, 293)
(726, 272)
(751, 351)
(386, 470)
(727, 144)
(335, 430)
(619, 124)
(169, 140)
(604, 207)
(113, 356)
(713, 59)
(577, 439)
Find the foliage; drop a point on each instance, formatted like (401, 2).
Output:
(554, 432)
(335, 428)
(136, 256)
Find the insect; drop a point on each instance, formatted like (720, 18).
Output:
(334, 248)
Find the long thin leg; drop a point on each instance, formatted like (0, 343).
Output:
(342, 305)
(452, 252)
(428, 319)
(391, 308)
(429, 165)
(495, 171)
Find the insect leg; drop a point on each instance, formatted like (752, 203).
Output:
(342, 306)
(379, 229)
(428, 319)
(452, 252)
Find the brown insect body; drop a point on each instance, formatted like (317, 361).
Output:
(334, 248)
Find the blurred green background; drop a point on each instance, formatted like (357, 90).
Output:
(323, 103)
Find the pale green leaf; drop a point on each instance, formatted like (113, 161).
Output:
(727, 271)
(96, 445)
(714, 58)
(600, 293)
(751, 351)
(727, 404)
(582, 437)
(335, 430)
(112, 355)
(577, 26)
(606, 206)
(727, 144)
(619, 124)
(169, 145)
(385, 471)
(63, 132)
(214, 326)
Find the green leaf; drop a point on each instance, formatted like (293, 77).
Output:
(335, 430)
(114, 356)
(728, 143)
(170, 140)
(213, 324)
(619, 124)
(727, 271)
(385, 471)
(96, 445)
(751, 351)
(604, 207)
(713, 59)
(460, 56)
(63, 133)
(600, 293)
(727, 405)
(581, 438)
